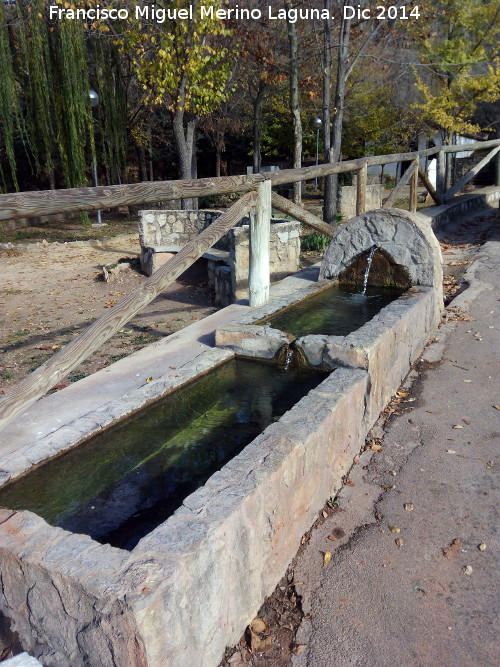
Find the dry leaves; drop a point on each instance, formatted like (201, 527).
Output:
(399, 542)
(394, 529)
(453, 550)
(467, 569)
(327, 557)
(409, 507)
(458, 426)
(260, 639)
(299, 648)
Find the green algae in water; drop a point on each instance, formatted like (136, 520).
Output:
(124, 482)
(335, 311)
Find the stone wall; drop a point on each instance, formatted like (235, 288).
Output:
(284, 253)
(347, 199)
(160, 231)
(157, 228)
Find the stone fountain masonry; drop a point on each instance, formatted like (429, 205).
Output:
(163, 233)
(189, 588)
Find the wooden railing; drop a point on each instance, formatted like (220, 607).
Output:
(256, 201)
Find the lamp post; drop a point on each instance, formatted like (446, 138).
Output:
(317, 124)
(94, 101)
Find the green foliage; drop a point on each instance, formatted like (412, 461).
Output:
(316, 242)
(455, 44)
(181, 62)
(9, 100)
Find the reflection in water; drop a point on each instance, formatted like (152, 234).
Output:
(126, 481)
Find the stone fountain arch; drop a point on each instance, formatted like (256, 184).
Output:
(408, 248)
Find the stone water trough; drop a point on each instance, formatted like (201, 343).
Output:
(191, 585)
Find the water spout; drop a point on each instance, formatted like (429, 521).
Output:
(368, 267)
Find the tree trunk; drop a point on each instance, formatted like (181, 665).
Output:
(257, 119)
(185, 145)
(329, 206)
(294, 105)
(336, 150)
(141, 156)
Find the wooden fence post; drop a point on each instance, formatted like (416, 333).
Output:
(361, 189)
(440, 174)
(413, 191)
(260, 232)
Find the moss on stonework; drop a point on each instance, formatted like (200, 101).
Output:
(383, 272)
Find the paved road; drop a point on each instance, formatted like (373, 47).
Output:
(420, 603)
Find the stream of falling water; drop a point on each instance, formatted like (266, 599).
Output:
(368, 267)
(288, 358)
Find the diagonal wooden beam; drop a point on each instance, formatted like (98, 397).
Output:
(20, 397)
(300, 213)
(430, 189)
(470, 174)
(403, 181)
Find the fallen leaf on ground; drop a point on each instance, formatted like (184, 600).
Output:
(376, 448)
(402, 394)
(387, 486)
(399, 542)
(466, 380)
(327, 557)
(453, 550)
(409, 507)
(481, 546)
(450, 451)
(497, 407)
(150, 379)
(458, 426)
(466, 421)
(259, 639)
(300, 648)
(325, 514)
(467, 569)
(349, 482)
(395, 529)
(259, 625)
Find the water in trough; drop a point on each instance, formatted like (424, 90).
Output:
(122, 483)
(335, 311)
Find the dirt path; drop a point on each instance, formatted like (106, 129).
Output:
(49, 293)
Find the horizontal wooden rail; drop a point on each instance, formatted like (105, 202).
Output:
(48, 202)
(57, 367)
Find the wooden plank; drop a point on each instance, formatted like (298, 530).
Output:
(428, 185)
(361, 189)
(301, 214)
(20, 397)
(413, 191)
(477, 146)
(308, 173)
(260, 235)
(403, 181)
(470, 174)
(48, 202)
